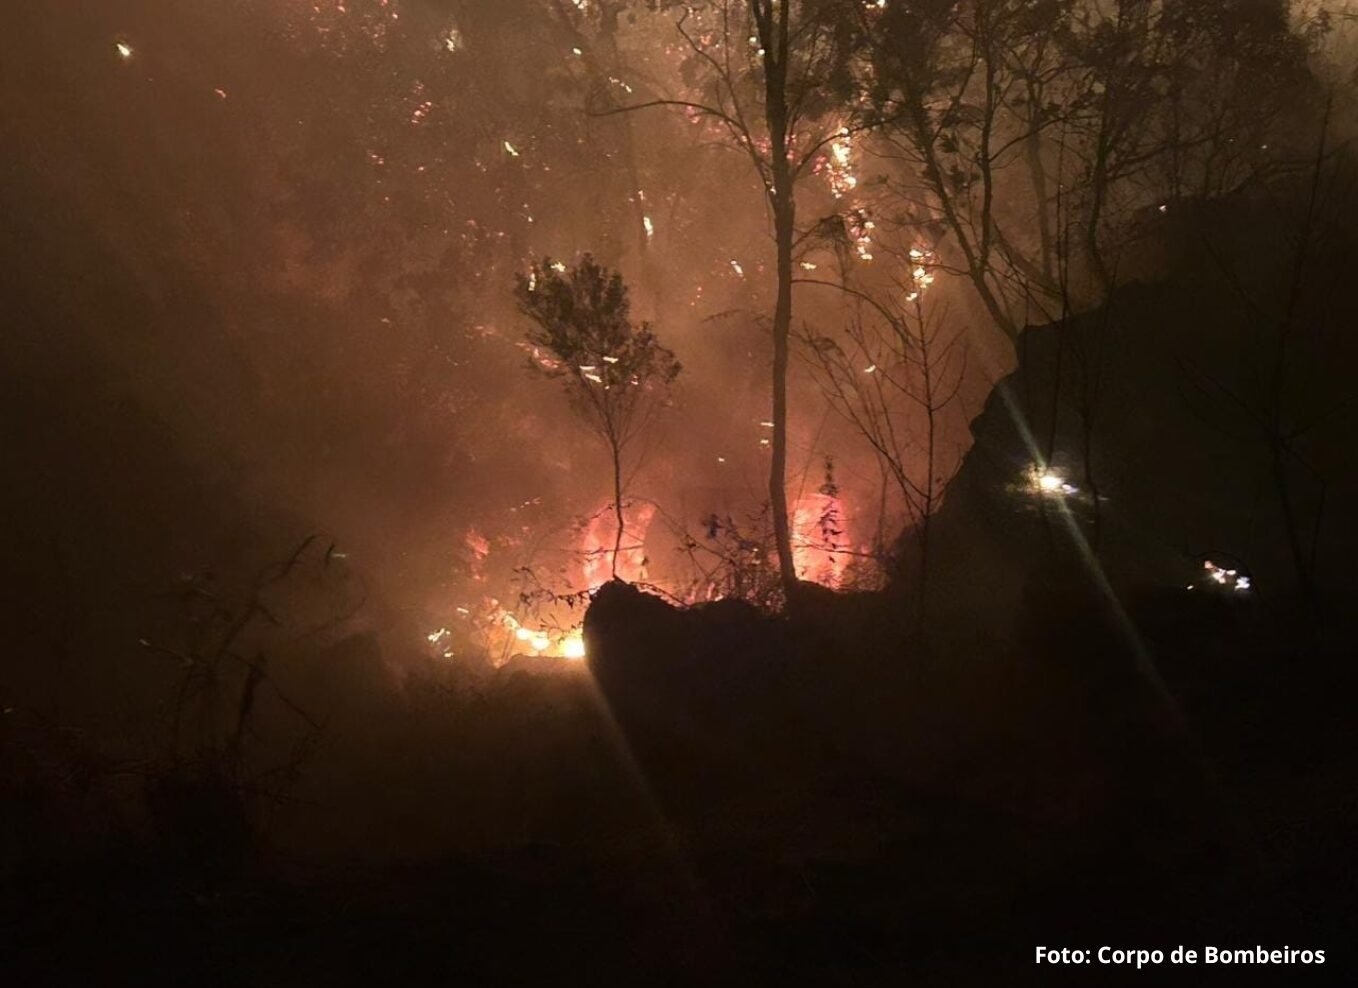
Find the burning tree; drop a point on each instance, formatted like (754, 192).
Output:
(776, 82)
(616, 373)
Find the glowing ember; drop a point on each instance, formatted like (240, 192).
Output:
(124, 50)
(860, 231)
(839, 166)
(920, 277)
(1227, 579)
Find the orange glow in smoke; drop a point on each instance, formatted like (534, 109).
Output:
(596, 546)
(819, 543)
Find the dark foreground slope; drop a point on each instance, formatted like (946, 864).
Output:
(726, 798)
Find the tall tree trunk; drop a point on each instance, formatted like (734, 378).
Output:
(617, 504)
(1037, 174)
(782, 331)
(931, 450)
(773, 22)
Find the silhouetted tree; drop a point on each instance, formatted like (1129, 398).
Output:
(1109, 109)
(615, 372)
(893, 373)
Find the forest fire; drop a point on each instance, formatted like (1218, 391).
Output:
(934, 410)
(496, 635)
(820, 546)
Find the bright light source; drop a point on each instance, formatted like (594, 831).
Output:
(1049, 482)
(522, 634)
(1229, 579)
(124, 50)
(573, 648)
(541, 643)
